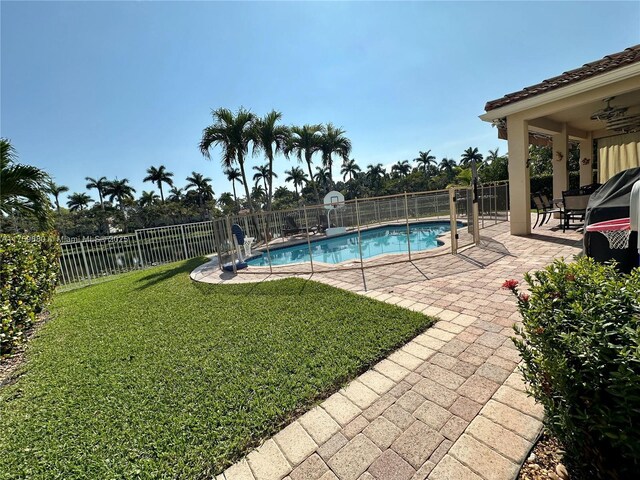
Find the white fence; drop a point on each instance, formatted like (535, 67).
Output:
(91, 259)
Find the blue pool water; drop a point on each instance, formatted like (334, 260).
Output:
(375, 241)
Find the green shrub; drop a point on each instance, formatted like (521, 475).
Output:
(544, 183)
(28, 277)
(580, 344)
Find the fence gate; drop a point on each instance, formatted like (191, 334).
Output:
(464, 218)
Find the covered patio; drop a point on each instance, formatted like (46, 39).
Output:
(596, 106)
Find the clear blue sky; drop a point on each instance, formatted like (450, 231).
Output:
(92, 89)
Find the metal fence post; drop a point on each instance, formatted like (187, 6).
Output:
(141, 261)
(306, 222)
(233, 247)
(453, 220)
(475, 208)
(406, 214)
(364, 280)
(266, 242)
(184, 242)
(84, 259)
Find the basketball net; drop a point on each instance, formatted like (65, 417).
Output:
(618, 239)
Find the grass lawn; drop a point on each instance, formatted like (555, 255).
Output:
(154, 376)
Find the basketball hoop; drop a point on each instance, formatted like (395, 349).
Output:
(616, 231)
(333, 200)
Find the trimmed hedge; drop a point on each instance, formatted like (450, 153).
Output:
(544, 183)
(28, 278)
(580, 344)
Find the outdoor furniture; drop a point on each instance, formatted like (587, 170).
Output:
(291, 227)
(574, 207)
(544, 208)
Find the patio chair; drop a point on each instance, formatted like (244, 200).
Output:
(544, 209)
(574, 207)
(291, 227)
(540, 210)
(549, 206)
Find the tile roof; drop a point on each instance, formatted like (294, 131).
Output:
(610, 62)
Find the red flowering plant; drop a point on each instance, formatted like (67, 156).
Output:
(580, 345)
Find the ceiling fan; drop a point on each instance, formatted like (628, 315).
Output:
(609, 112)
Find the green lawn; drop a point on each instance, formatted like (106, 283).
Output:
(153, 376)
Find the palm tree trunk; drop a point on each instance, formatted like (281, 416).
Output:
(315, 187)
(270, 191)
(246, 190)
(330, 168)
(235, 197)
(161, 194)
(101, 200)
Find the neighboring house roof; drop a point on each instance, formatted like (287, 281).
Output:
(610, 62)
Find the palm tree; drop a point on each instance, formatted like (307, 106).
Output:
(271, 139)
(234, 175)
(402, 168)
(202, 186)
(375, 173)
(472, 157)
(56, 190)
(447, 165)
(305, 141)
(424, 160)
(258, 194)
(159, 176)
(232, 133)
(78, 201)
(119, 190)
(175, 194)
(322, 178)
(469, 156)
(100, 184)
(351, 168)
(225, 199)
(333, 141)
(493, 155)
(296, 176)
(23, 188)
(264, 174)
(148, 198)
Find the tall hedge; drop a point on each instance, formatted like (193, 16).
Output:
(28, 278)
(544, 183)
(580, 345)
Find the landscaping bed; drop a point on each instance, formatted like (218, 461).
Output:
(154, 376)
(545, 461)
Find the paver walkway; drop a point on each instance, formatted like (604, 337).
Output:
(449, 404)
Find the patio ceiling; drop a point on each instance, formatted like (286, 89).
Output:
(572, 98)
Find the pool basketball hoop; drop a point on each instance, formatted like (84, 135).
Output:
(333, 200)
(616, 231)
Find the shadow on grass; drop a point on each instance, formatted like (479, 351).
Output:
(160, 276)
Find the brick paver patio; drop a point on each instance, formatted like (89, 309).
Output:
(448, 405)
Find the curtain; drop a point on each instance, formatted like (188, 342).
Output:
(616, 154)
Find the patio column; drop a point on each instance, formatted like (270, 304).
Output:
(560, 154)
(519, 183)
(586, 160)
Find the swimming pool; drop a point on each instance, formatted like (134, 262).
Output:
(375, 241)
